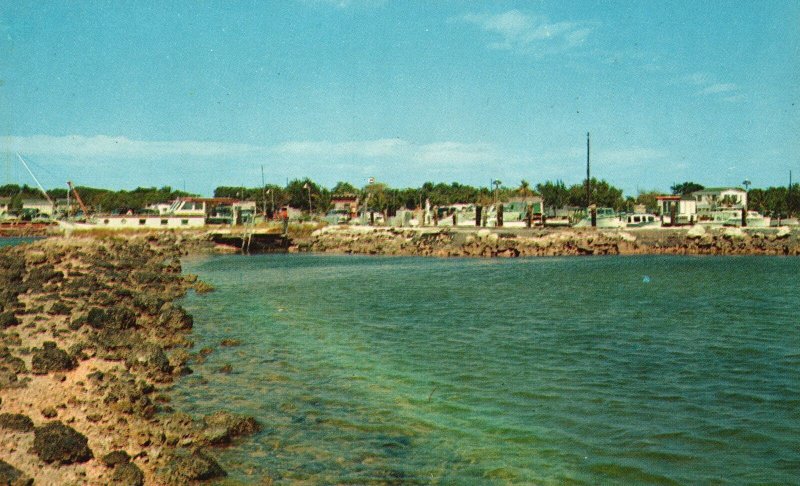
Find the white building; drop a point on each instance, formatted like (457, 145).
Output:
(684, 207)
(720, 197)
(188, 212)
(150, 221)
(160, 208)
(43, 206)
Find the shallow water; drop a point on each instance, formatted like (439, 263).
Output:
(11, 241)
(553, 370)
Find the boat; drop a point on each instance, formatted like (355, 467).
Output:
(642, 220)
(733, 217)
(605, 218)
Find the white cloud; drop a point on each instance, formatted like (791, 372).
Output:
(120, 147)
(696, 79)
(706, 85)
(718, 88)
(342, 4)
(735, 98)
(101, 146)
(519, 31)
(370, 148)
(448, 153)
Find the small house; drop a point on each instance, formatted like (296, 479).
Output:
(345, 202)
(38, 206)
(719, 197)
(683, 207)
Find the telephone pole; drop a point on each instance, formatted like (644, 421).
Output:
(588, 175)
(263, 192)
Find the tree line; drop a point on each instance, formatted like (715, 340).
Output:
(306, 194)
(99, 200)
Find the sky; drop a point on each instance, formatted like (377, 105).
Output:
(200, 94)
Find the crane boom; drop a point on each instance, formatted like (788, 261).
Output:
(78, 197)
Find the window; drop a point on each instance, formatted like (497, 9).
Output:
(184, 222)
(142, 222)
(164, 222)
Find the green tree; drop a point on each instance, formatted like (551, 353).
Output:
(298, 194)
(648, 198)
(685, 188)
(603, 194)
(555, 194)
(344, 188)
(524, 189)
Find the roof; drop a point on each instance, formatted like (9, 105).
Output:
(211, 200)
(344, 195)
(719, 189)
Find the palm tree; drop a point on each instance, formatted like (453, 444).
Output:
(524, 189)
(497, 185)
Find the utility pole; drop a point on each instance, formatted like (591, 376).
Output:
(263, 192)
(588, 176)
(789, 195)
(746, 184)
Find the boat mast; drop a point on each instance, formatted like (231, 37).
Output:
(52, 204)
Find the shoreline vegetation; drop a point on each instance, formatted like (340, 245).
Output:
(91, 337)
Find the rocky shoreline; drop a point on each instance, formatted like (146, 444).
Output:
(90, 341)
(448, 242)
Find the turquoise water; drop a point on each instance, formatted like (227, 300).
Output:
(7, 241)
(656, 370)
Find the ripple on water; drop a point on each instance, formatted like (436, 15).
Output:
(558, 371)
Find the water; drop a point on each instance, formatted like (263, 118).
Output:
(11, 241)
(656, 370)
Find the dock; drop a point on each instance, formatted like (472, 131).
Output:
(248, 242)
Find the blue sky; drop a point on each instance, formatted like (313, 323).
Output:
(202, 94)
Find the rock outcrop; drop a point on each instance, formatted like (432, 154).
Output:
(56, 442)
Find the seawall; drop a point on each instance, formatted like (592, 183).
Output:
(459, 242)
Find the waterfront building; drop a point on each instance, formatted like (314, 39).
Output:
(38, 206)
(346, 204)
(731, 197)
(684, 208)
(186, 212)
